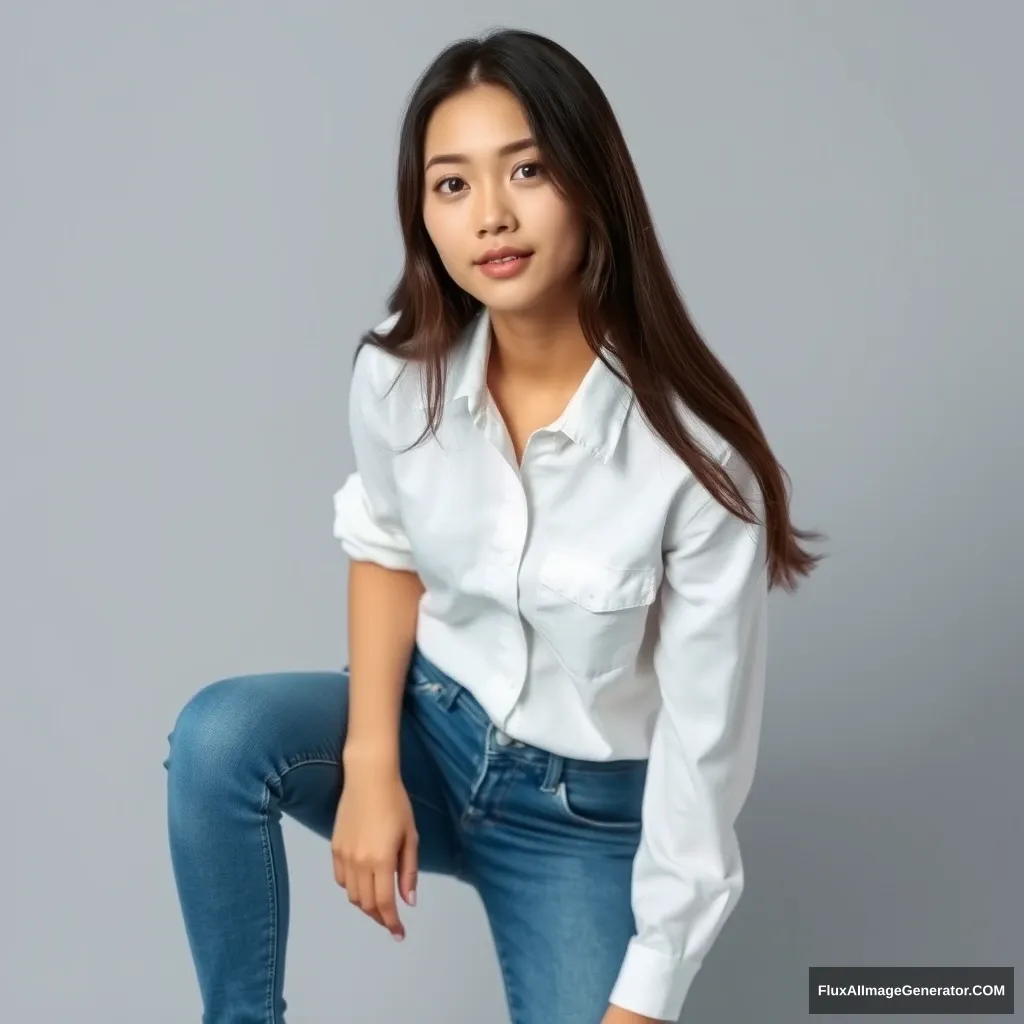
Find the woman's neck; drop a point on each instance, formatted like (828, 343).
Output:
(545, 350)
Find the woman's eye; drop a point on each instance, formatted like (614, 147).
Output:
(454, 185)
(535, 168)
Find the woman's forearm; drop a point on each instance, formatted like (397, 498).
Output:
(382, 612)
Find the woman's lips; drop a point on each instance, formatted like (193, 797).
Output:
(509, 266)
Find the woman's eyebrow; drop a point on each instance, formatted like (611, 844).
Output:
(460, 158)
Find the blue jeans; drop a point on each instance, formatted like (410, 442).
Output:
(546, 841)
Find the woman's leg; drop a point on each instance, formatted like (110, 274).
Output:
(548, 844)
(552, 861)
(243, 751)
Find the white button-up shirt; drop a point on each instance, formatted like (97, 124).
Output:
(595, 600)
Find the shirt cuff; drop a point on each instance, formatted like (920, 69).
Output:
(653, 984)
(362, 537)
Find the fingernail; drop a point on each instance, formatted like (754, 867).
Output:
(398, 936)
(412, 898)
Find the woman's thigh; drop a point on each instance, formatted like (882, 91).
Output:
(548, 844)
(554, 870)
(284, 731)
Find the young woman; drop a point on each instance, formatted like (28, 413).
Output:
(563, 528)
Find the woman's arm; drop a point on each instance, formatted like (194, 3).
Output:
(710, 664)
(382, 612)
(375, 835)
(375, 838)
(383, 588)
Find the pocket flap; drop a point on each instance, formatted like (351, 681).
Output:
(597, 587)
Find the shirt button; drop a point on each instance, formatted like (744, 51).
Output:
(502, 739)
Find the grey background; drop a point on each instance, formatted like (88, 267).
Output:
(197, 222)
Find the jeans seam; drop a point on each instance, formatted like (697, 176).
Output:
(469, 812)
(271, 876)
(271, 782)
(511, 996)
(512, 773)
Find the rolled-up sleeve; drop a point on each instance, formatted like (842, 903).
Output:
(367, 518)
(709, 660)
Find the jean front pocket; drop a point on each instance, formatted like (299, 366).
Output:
(608, 797)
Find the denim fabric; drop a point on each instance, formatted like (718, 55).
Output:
(546, 841)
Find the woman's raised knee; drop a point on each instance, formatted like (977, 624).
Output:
(214, 731)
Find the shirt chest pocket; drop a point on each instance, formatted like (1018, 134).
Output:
(593, 615)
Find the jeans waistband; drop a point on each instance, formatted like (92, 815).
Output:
(452, 690)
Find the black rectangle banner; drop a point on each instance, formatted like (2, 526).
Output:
(910, 990)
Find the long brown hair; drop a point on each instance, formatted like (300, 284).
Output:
(629, 300)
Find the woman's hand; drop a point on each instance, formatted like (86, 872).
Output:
(374, 837)
(617, 1015)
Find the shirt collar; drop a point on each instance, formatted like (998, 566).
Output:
(594, 417)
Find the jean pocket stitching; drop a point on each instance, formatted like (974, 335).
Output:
(562, 796)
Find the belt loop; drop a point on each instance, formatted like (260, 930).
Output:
(449, 692)
(447, 688)
(553, 776)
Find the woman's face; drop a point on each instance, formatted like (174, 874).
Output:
(485, 189)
